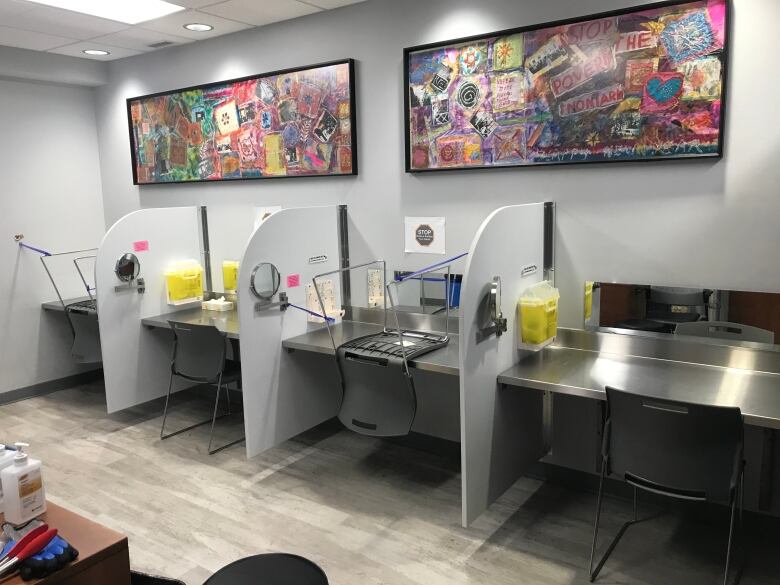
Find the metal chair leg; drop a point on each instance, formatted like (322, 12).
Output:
(211, 436)
(598, 516)
(227, 393)
(165, 410)
(731, 535)
(163, 436)
(737, 499)
(612, 545)
(216, 407)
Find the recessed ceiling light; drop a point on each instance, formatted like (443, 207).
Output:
(96, 52)
(198, 27)
(127, 12)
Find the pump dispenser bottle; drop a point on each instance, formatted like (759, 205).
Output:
(6, 459)
(23, 494)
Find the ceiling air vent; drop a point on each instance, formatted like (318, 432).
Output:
(161, 44)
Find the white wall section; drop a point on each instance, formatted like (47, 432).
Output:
(50, 193)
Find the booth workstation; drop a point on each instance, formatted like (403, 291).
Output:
(286, 304)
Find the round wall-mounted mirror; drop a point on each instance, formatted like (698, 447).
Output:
(127, 267)
(265, 280)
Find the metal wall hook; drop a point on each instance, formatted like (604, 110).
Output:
(493, 320)
(499, 321)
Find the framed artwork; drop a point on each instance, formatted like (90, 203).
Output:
(292, 123)
(641, 84)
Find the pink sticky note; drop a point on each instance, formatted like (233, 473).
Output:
(293, 280)
(141, 246)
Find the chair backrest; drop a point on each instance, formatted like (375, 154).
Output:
(726, 330)
(379, 398)
(198, 351)
(86, 338)
(676, 448)
(669, 295)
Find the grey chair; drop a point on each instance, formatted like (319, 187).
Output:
(199, 355)
(678, 449)
(86, 338)
(379, 396)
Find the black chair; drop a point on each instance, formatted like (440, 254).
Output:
(270, 569)
(379, 395)
(678, 449)
(199, 355)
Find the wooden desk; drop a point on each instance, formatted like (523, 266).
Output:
(103, 554)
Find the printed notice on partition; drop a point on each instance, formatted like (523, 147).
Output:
(424, 235)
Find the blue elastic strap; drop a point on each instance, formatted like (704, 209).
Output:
(329, 319)
(34, 249)
(431, 267)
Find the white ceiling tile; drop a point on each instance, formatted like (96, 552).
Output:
(174, 24)
(194, 3)
(328, 4)
(260, 13)
(23, 39)
(11, 7)
(63, 22)
(75, 50)
(139, 39)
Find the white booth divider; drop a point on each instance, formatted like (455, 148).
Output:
(283, 397)
(501, 431)
(136, 361)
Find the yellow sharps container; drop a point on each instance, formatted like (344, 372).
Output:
(588, 299)
(538, 312)
(184, 282)
(230, 275)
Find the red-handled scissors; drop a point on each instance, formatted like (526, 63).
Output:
(32, 543)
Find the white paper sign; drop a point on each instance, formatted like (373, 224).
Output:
(424, 235)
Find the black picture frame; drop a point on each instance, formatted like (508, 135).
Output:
(352, 117)
(725, 60)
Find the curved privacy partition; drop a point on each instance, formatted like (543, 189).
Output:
(282, 397)
(136, 360)
(501, 432)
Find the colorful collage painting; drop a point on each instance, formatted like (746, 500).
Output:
(287, 124)
(633, 85)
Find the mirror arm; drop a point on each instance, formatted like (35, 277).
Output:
(283, 304)
(138, 284)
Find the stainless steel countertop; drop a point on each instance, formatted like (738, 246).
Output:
(442, 361)
(225, 321)
(586, 373)
(57, 306)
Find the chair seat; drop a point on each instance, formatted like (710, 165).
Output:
(231, 373)
(270, 569)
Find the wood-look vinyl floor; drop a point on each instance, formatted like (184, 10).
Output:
(369, 512)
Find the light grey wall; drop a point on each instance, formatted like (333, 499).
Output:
(51, 193)
(21, 64)
(690, 223)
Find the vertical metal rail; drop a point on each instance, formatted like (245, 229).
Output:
(204, 232)
(346, 288)
(548, 403)
(549, 241)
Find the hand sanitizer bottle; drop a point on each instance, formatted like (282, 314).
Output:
(6, 459)
(23, 494)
